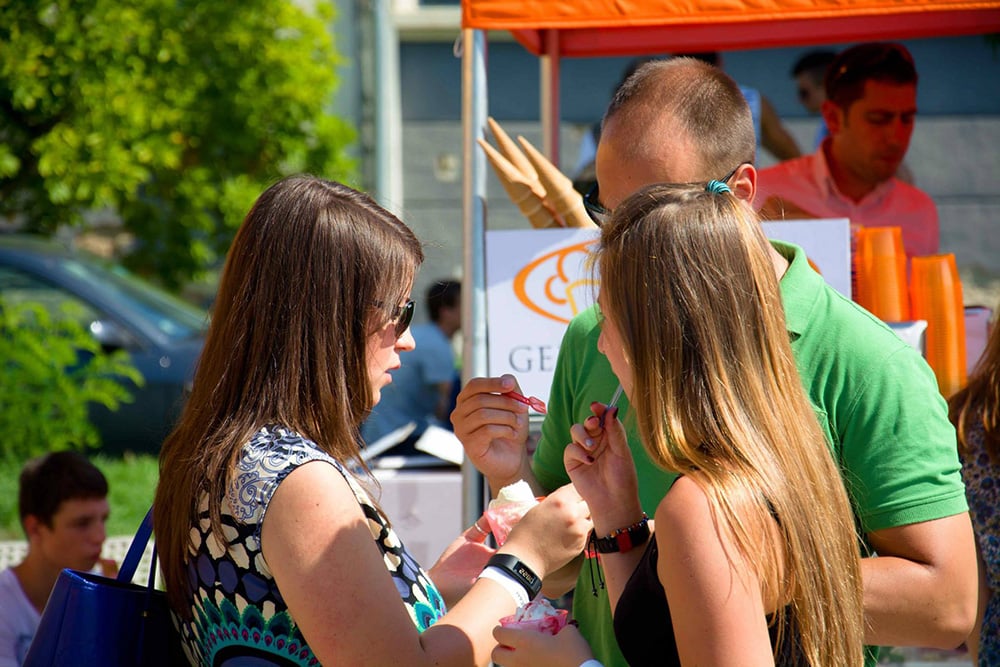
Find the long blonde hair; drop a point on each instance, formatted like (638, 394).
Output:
(314, 270)
(686, 276)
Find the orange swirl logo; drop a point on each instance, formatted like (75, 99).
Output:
(547, 288)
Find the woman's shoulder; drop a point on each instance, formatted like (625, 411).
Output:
(274, 451)
(687, 521)
(684, 513)
(698, 553)
(684, 497)
(278, 447)
(265, 460)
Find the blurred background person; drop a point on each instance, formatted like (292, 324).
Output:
(975, 411)
(870, 107)
(808, 73)
(423, 388)
(63, 506)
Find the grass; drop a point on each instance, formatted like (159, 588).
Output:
(131, 485)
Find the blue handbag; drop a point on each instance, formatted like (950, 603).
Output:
(94, 621)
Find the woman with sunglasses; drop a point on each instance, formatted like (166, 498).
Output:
(754, 558)
(272, 545)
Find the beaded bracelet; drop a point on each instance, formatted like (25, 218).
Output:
(623, 539)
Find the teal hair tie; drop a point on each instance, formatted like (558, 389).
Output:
(717, 187)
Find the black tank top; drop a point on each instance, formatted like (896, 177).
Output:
(645, 634)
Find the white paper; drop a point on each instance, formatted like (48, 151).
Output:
(442, 443)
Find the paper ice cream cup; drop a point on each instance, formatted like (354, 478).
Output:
(503, 512)
(550, 624)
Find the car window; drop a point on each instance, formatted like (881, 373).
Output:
(170, 315)
(17, 287)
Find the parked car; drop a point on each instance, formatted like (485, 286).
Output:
(162, 334)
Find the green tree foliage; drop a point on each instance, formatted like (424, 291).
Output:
(52, 369)
(174, 113)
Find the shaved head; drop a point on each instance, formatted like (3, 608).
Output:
(688, 104)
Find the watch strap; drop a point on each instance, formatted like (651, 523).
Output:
(523, 574)
(508, 582)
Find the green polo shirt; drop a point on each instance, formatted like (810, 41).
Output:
(877, 399)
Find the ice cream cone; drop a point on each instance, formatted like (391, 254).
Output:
(510, 150)
(560, 194)
(527, 195)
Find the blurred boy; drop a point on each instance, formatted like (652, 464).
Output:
(63, 506)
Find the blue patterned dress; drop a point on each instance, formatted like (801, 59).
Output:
(238, 612)
(981, 477)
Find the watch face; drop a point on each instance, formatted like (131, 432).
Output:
(528, 575)
(519, 571)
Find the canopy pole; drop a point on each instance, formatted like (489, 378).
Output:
(474, 109)
(549, 71)
(388, 112)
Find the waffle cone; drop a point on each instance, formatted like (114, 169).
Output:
(560, 194)
(533, 207)
(528, 196)
(508, 173)
(510, 150)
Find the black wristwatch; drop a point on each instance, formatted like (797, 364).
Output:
(624, 539)
(523, 574)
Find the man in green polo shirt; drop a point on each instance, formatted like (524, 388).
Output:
(877, 400)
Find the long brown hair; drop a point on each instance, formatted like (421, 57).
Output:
(315, 269)
(978, 403)
(687, 279)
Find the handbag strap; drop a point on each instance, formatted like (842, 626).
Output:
(136, 549)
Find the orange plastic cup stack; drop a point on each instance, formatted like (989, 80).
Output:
(880, 272)
(936, 296)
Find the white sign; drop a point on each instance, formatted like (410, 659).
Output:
(827, 243)
(538, 279)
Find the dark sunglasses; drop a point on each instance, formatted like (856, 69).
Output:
(600, 215)
(402, 316)
(595, 209)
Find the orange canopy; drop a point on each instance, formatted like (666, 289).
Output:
(633, 27)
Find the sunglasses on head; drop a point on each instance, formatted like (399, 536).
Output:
(599, 214)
